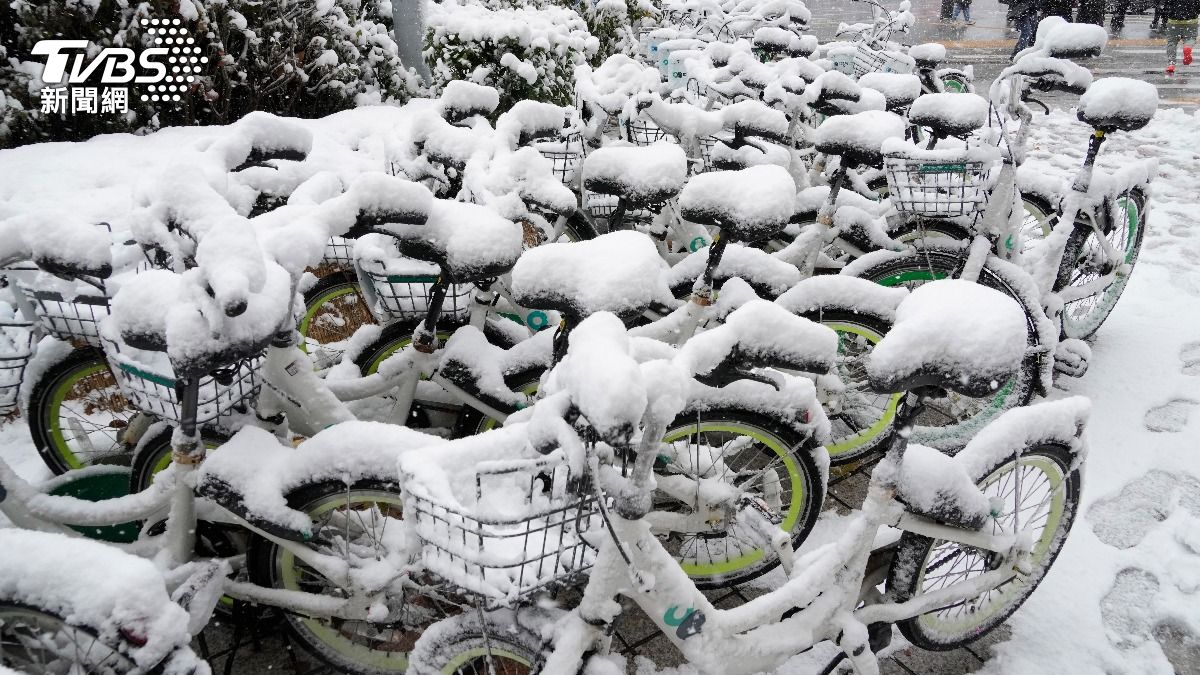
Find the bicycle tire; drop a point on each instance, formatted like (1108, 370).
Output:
(499, 642)
(927, 264)
(50, 630)
(272, 566)
(334, 308)
(85, 379)
(781, 446)
(910, 565)
(1090, 315)
(866, 429)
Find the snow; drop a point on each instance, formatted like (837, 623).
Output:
(929, 52)
(619, 272)
(1119, 102)
(861, 134)
(42, 569)
(958, 331)
(955, 114)
(642, 175)
(900, 89)
(761, 333)
(841, 292)
(750, 204)
(470, 240)
(767, 274)
(461, 99)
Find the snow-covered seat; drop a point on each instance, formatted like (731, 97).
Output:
(620, 272)
(898, 89)
(858, 138)
(949, 114)
(928, 55)
(759, 334)
(468, 242)
(1118, 104)
(754, 118)
(462, 99)
(952, 334)
(640, 175)
(748, 205)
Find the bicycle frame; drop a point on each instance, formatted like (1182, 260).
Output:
(831, 596)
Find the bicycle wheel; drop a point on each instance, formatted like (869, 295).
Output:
(349, 522)
(36, 641)
(1036, 224)
(502, 642)
(154, 454)
(954, 83)
(473, 422)
(1084, 261)
(754, 455)
(1048, 496)
(77, 413)
(860, 419)
(949, 422)
(333, 309)
(424, 413)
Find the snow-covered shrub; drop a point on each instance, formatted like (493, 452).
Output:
(612, 22)
(289, 57)
(525, 52)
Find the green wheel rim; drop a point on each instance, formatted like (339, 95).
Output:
(481, 652)
(847, 447)
(55, 422)
(1082, 317)
(997, 599)
(290, 575)
(799, 490)
(393, 347)
(330, 296)
(953, 85)
(490, 423)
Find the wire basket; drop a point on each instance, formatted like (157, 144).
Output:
(406, 296)
(643, 132)
(868, 60)
(938, 188)
(75, 320)
(339, 252)
(566, 156)
(152, 388)
(503, 560)
(16, 348)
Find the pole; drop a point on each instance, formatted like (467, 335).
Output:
(408, 21)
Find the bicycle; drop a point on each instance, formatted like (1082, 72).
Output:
(971, 507)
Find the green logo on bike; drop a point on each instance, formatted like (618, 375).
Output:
(687, 625)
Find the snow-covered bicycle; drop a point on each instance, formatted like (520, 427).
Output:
(978, 531)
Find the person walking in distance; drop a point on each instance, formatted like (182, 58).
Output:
(1025, 15)
(963, 7)
(1183, 17)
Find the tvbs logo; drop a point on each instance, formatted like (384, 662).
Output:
(167, 67)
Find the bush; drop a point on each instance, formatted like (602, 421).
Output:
(289, 57)
(525, 52)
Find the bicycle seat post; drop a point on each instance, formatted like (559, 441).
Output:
(187, 452)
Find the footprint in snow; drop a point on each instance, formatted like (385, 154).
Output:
(1123, 519)
(1127, 609)
(1190, 355)
(1171, 416)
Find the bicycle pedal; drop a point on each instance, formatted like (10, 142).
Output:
(1071, 357)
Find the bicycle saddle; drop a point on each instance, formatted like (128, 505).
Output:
(767, 275)
(530, 121)
(929, 55)
(620, 272)
(467, 241)
(953, 334)
(898, 89)
(1118, 104)
(462, 99)
(760, 334)
(858, 138)
(949, 114)
(641, 175)
(748, 205)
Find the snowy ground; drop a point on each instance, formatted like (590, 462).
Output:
(1123, 596)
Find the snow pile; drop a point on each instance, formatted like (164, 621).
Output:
(620, 272)
(749, 205)
(858, 137)
(119, 591)
(642, 175)
(953, 114)
(900, 89)
(954, 333)
(1119, 103)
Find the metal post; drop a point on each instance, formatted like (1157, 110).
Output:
(408, 21)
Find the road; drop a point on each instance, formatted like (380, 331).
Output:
(1135, 52)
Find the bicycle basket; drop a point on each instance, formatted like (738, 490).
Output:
(148, 382)
(565, 155)
(403, 294)
(16, 348)
(868, 60)
(339, 252)
(532, 547)
(75, 320)
(941, 187)
(643, 132)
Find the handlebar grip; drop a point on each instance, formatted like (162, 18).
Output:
(235, 308)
